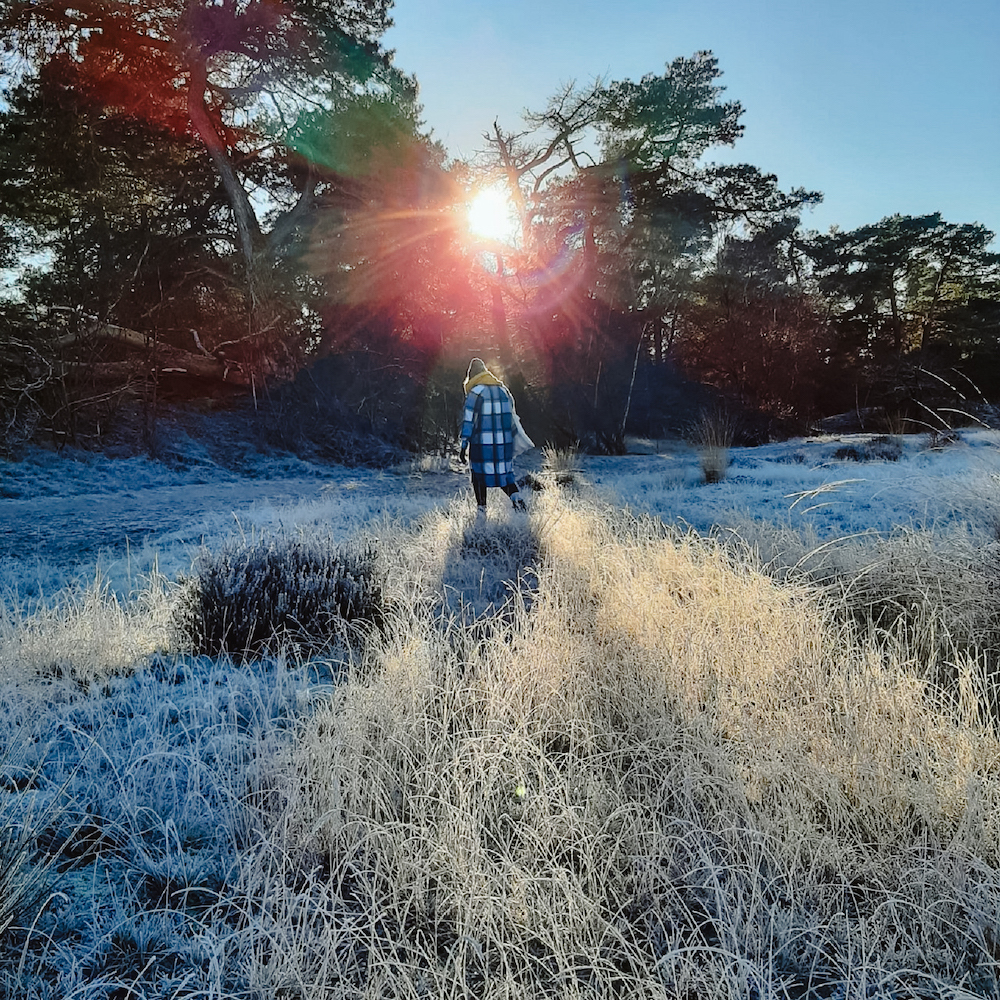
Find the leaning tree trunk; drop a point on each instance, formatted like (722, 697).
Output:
(247, 226)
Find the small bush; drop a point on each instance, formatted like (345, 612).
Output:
(882, 448)
(256, 595)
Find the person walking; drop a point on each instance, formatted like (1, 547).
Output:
(489, 428)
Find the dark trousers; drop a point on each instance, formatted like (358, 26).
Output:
(479, 488)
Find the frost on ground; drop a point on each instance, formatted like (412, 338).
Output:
(745, 746)
(123, 518)
(822, 486)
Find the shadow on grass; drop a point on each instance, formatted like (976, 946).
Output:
(489, 569)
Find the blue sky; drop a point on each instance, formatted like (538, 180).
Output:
(883, 106)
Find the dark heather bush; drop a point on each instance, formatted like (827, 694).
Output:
(879, 449)
(256, 595)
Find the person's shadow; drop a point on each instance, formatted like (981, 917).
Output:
(490, 570)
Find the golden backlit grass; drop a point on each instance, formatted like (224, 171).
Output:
(87, 632)
(674, 773)
(585, 756)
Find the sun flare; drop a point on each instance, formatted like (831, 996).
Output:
(492, 216)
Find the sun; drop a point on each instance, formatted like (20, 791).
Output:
(492, 216)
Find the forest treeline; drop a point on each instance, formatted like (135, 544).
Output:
(238, 200)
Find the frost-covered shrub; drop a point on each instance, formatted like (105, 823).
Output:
(258, 594)
(883, 448)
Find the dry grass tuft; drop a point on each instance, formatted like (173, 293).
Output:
(88, 633)
(561, 465)
(712, 434)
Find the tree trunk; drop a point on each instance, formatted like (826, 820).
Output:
(243, 214)
(927, 325)
(499, 312)
(897, 323)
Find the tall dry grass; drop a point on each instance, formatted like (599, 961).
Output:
(582, 755)
(675, 775)
(933, 594)
(88, 632)
(712, 434)
(561, 466)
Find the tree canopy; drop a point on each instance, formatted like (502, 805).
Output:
(203, 116)
(168, 169)
(229, 190)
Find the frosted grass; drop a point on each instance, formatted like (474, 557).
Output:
(589, 755)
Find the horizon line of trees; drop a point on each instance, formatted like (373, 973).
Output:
(238, 198)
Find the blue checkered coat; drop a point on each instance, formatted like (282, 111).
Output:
(488, 431)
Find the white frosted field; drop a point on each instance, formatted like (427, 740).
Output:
(581, 756)
(62, 517)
